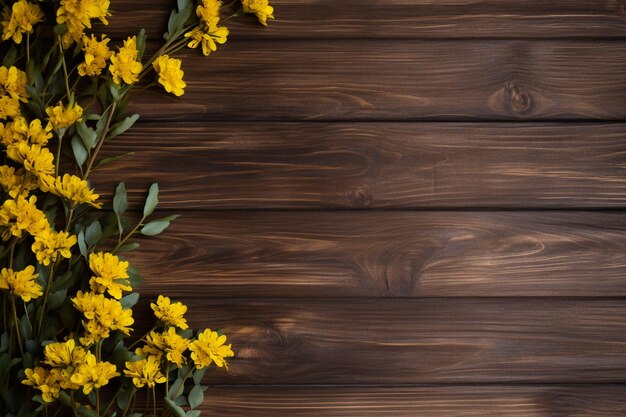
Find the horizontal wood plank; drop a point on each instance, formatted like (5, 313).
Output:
(394, 81)
(372, 165)
(402, 19)
(437, 401)
(381, 341)
(387, 254)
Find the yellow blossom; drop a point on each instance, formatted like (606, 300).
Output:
(260, 8)
(61, 117)
(170, 314)
(45, 381)
(110, 274)
(12, 91)
(125, 65)
(50, 244)
(20, 20)
(72, 188)
(9, 107)
(209, 12)
(96, 54)
(170, 74)
(103, 315)
(22, 215)
(77, 15)
(167, 343)
(208, 40)
(145, 372)
(210, 348)
(20, 130)
(21, 283)
(16, 182)
(94, 374)
(35, 158)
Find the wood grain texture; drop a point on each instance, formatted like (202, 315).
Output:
(457, 401)
(399, 81)
(372, 165)
(387, 254)
(403, 19)
(382, 341)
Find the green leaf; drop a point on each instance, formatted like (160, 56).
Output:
(87, 134)
(198, 375)
(120, 200)
(130, 300)
(82, 245)
(171, 405)
(62, 281)
(122, 126)
(196, 396)
(60, 30)
(141, 42)
(126, 247)
(193, 413)
(80, 153)
(10, 57)
(93, 234)
(154, 228)
(4, 342)
(111, 159)
(152, 200)
(56, 299)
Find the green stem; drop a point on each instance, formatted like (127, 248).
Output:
(154, 401)
(111, 110)
(67, 81)
(17, 326)
(128, 236)
(45, 297)
(28, 47)
(57, 160)
(97, 402)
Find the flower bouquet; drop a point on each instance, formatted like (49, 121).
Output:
(65, 288)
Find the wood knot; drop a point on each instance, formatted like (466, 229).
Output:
(516, 100)
(361, 196)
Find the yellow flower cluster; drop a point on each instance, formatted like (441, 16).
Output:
(50, 244)
(110, 274)
(168, 313)
(12, 91)
(21, 283)
(20, 130)
(72, 188)
(61, 117)
(210, 348)
(96, 55)
(207, 33)
(22, 215)
(77, 16)
(170, 74)
(19, 20)
(260, 8)
(145, 372)
(102, 315)
(70, 367)
(125, 65)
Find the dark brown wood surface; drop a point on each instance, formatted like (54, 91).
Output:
(437, 401)
(404, 19)
(483, 143)
(404, 80)
(388, 254)
(435, 340)
(373, 165)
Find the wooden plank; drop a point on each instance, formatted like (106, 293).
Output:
(431, 401)
(409, 80)
(381, 341)
(387, 254)
(402, 19)
(372, 165)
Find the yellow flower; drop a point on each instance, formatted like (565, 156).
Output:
(16, 183)
(124, 64)
(209, 12)
(111, 274)
(170, 314)
(61, 117)
(64, 354)
(96, 54)
(210, 348)
(22, 215)
(21, 283)
(77, 15)
(20, 20)
(168, 343)
(94, 374)
(170, 74)
(145, 372)
(260, 8)
(50, 244)
(12, 91)
(72, 188)
(209, 40)
(19, 130)
(103, 316)
(36, 159)
(45, 381)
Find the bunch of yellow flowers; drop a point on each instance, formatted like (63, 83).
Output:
(67, 293)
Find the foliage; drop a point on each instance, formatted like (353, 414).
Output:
(66, 290)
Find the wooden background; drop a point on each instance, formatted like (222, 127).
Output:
(397, 207)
